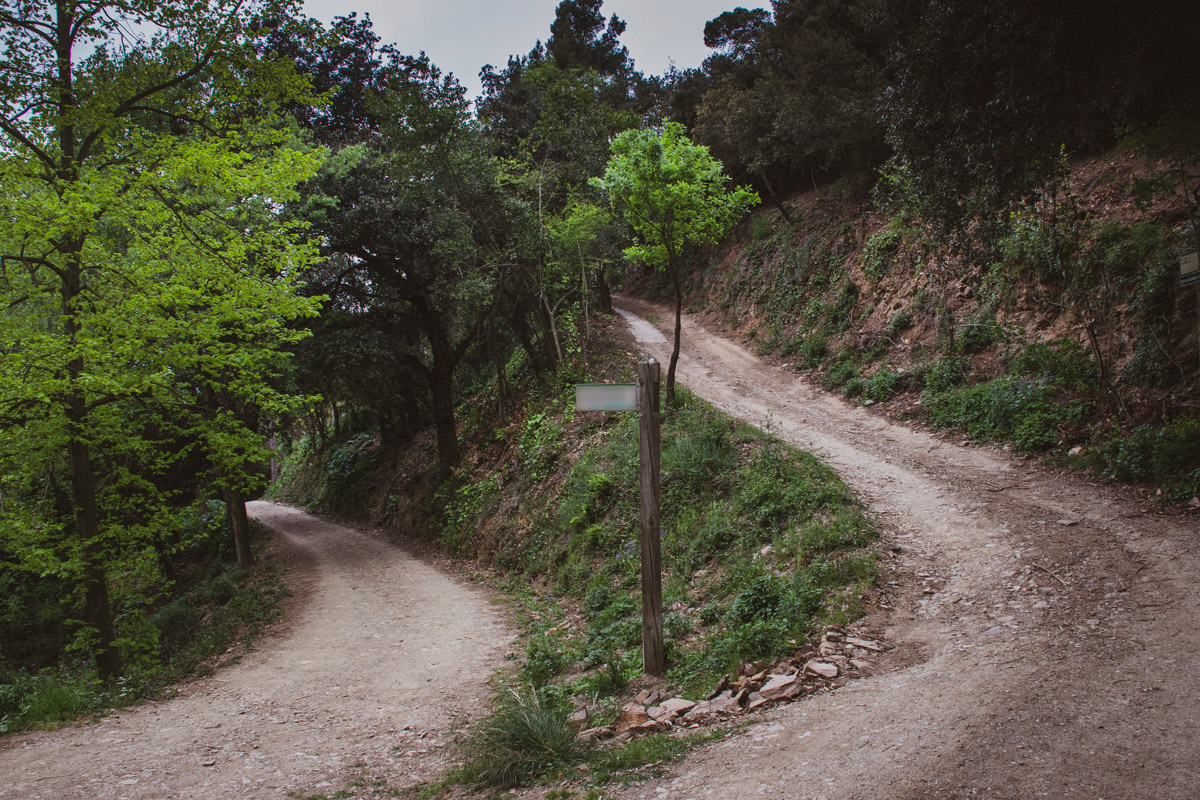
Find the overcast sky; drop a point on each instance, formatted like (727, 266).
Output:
(461, 36)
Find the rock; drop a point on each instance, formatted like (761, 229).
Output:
(756, 700)
(701, 712)
(597, 734)
(860, 664)
(833, 635)
(781, 686)
(659, 714)
(642, 697)
(805, 653)
(828, 648)
(655, 697)
(632, 715)
(677, 705)
(578, 719)
(724, 705)
(1074, 451)
(821, 669)
(1195, 503)
(721, 686)
(865, 644)
(1068, 522)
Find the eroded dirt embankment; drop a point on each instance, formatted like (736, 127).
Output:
(1048, 629)
(380, 657)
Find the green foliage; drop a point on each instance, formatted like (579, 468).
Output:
(842, 370)
(760, 599)
(538, 447)
(814, 349)
(878, 252)
(671, 192)
(1064, 363)
(523, 740)
(901, 321)
(1020, 410)
(883, 385)
(1166, 456)
(947, 373)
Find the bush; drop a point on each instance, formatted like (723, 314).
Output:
(901, 321)
(814, 349)
(883, 385)
(1168, 456)
(842, 371)
(1023, 411)
(878, 252)
(760, 599)
(1065, 363)
(527, 737)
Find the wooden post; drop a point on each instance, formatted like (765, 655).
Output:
(653, 656)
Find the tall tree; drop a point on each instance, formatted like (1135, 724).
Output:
(420, 231)
(673, 194)
(140, 200)
(984, 98)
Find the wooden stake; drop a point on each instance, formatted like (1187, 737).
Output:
(653, 656)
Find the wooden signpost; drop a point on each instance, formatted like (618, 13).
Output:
(1189, 275)
(642, 397)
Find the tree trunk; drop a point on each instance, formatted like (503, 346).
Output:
(97, 606)
(603, 294)
(678, 330)
(235, 506)
(441, 387)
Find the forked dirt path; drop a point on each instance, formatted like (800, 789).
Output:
(1049, 645)
(381, 656)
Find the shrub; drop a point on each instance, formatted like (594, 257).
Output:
(842, 370)
(527, 737)
(883, 385)
(949, 372)
(1023, 411)
(1064, 363)
(760, 599)
(901, 321)
(1168, 456)
(878, 252)
(814, 349)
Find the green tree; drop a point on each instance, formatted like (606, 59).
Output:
(672, 193)
(420, 234)
(143, 259)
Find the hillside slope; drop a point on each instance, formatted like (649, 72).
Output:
(1045, 625)
(1059, 327)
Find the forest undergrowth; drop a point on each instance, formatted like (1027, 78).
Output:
(763, 546)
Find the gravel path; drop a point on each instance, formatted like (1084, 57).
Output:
(1047, 628)
(381, 656)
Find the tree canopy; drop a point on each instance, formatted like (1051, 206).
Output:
(672, 193)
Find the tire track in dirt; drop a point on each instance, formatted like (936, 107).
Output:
(1047, 628)
(381, 656)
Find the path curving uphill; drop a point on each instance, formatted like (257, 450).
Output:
(1050, 627)
(381, 656)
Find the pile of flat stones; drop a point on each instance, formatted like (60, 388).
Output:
(838, 654)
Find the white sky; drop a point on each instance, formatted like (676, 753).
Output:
(460, 36)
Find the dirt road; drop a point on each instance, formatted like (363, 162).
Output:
(1049, 645)
(380, 658)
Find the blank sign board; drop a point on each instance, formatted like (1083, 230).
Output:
(606, 397)
(1189, 269)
